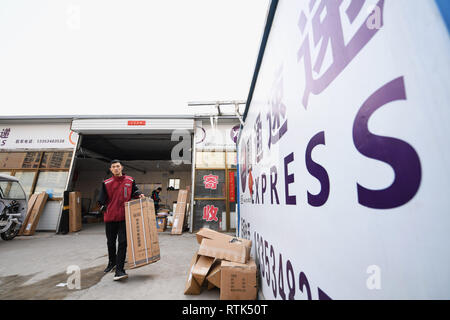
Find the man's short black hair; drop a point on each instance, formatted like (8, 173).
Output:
(115, 161)
(159, 188)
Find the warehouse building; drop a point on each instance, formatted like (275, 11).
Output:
(55, 154)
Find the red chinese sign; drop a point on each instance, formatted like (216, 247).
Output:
(210, 213)
(136, 123)
(211, 181)
(231, 186)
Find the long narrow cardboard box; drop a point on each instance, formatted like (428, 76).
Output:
(31, 203)
(215, 235)
(142, 237)
(35, 214)
(74, 211)
(231, 251)
(180, 211)
(238, 281)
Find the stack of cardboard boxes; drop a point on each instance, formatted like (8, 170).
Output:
(224, 262)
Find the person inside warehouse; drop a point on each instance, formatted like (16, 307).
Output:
(114, 193)
(156, 199)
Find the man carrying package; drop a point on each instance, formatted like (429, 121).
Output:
(115, 192)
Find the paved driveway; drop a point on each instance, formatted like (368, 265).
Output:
(32, 267)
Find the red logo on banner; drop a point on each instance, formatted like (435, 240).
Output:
(231, 186)
(210, 181)
(210, 213)
(136, 123)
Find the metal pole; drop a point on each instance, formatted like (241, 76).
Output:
(194, 150)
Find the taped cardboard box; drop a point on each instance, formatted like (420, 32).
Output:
(214, 235)
(214, 275)
(142, 236)
(31, 203)
(192, 286)
(180, 211)
(35, 214)
(238, 281)
(231, 251)
(201, 269)
(161, 223)
(74, 211)
(223, 246)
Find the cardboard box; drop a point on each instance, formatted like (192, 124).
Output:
(231, 251)
(210, 286)
(179, 214)
(192, 286)
(161, 223)
(35, 214)
(238, 281)
(142, 236)
(212, 234)
(74, 211)
(201, 269)
(214, 275)
(223, 246)
(31, 202)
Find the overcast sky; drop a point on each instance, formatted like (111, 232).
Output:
(64, 57)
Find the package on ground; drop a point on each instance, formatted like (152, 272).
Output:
(179, 213)
(201, 269)
(238, 281)
(231, 251)
(221, 246)
(35, 214)
(214, 235)
(142, 236)
(192, 286)
(74, 211)
(31, 202)
(214, 275)
(161, 222)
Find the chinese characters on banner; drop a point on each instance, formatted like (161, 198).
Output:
(4, 134)
(210, 181)
(322, 30)
(231, 186)
(210, 213)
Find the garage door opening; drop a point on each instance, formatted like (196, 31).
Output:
(145, 157)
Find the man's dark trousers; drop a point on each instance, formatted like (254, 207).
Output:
(116, 230)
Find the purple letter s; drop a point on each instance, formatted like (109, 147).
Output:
(397, 153)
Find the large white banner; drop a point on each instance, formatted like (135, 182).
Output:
(37, 136)
(344, 159)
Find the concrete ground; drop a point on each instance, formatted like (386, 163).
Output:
(32, 267)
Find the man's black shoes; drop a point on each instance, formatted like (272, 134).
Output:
(120, 274)
(110, 267)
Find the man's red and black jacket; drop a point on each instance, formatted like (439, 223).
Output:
(114, 193)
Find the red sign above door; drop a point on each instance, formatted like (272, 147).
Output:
(136, 123)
